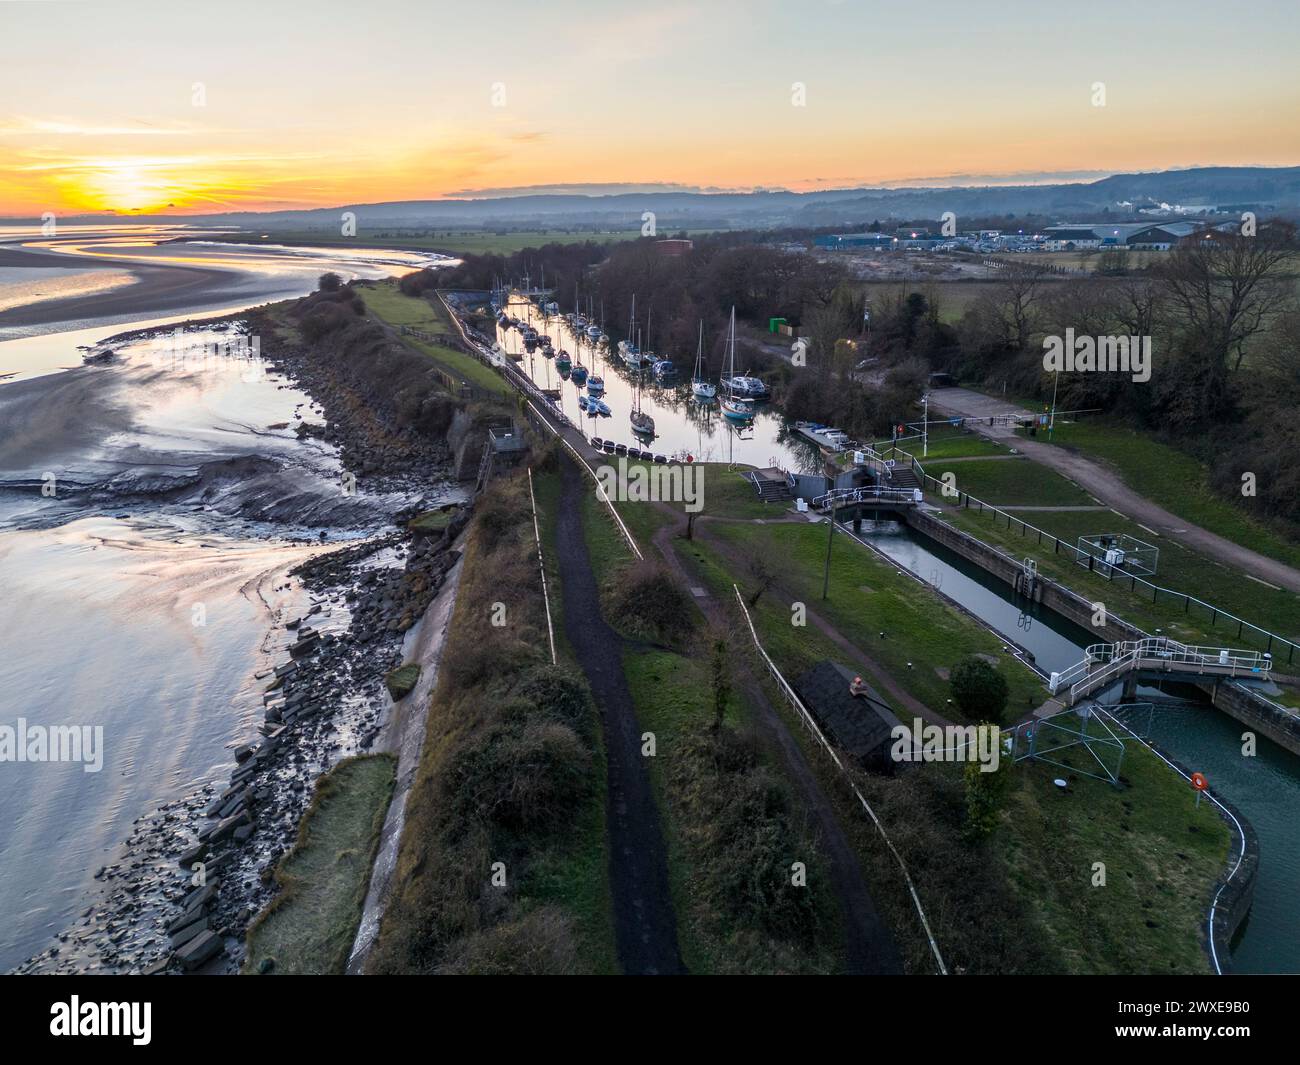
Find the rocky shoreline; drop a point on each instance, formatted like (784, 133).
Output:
(195, 872)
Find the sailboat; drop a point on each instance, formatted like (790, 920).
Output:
(641, 421)
(734, 408)
(627, 349)
(703, 390)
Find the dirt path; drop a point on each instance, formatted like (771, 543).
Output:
(1107, 485)
(645, 926)
(868, 943)
(901, 697)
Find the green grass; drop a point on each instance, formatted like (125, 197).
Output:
(310, 925)
(431, 520)
(1011, 482)
(720, 493)
(1179, 570)
(869, 595)
(1162, 856)
(1175, 480)
(946, 443)
(384, 301)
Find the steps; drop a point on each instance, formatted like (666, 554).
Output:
(770, 489)
(902, 477)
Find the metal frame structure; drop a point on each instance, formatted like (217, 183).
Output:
(1138, 556)
(1029, 737)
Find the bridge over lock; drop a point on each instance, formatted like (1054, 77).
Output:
(872, 496)
(1106, 663)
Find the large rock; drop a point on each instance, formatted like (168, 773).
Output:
(202, 948)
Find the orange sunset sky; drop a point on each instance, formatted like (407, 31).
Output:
(199, 108)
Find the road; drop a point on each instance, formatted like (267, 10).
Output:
(1105, 484)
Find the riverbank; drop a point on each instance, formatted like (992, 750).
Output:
(196, 871)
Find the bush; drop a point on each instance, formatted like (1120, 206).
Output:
(521, 775)
(643, 601)
(330, 282)
(979, 690)
(741, 835)
(559, 696)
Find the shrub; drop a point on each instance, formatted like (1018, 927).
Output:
(644, 601)
(329, 282)
(521, 775)
(559, 696)
(979, 690)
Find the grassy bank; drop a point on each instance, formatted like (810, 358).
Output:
(1175, 480)
(1159, 852)
(924, 636)
(384, 301)
(503, 865)
(310, 925)
(1012, 481)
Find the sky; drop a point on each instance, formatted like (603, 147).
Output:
(189, 108)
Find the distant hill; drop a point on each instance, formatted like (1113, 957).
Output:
(1264, 189)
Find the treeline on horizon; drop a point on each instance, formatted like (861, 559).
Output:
(1222, 314)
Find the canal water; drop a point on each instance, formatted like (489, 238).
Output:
(1265, 787)
(683, 426)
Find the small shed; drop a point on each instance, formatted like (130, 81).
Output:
(849, 713)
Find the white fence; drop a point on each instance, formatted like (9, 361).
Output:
(811, 725)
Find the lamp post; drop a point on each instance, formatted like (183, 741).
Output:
(830, 538)
(925, 425)
(1051, 422)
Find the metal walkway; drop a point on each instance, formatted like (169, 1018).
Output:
(1106, 662)
(871, 494)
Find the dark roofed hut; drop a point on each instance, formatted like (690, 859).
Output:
(848, 714)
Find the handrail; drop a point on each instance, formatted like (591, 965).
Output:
(1151, 653)
(862, 494)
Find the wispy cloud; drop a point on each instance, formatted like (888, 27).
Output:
(25, 126)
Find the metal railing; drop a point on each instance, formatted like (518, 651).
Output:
(1217, 614)
(872, 493)
(1156, 653)
(807, 720)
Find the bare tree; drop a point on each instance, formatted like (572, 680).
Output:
(1225, 288)
(763, 575)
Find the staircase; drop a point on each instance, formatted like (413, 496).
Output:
(770, 489)
(902, 477)
(484, 468)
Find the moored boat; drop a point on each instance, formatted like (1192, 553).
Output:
(701, 389)
(733, 406)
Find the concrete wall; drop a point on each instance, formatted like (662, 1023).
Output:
(1233, 699)
(1047, 592)
(1256, 713)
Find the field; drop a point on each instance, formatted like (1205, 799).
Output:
(952, 297)
(385, 302)
(454, 242)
